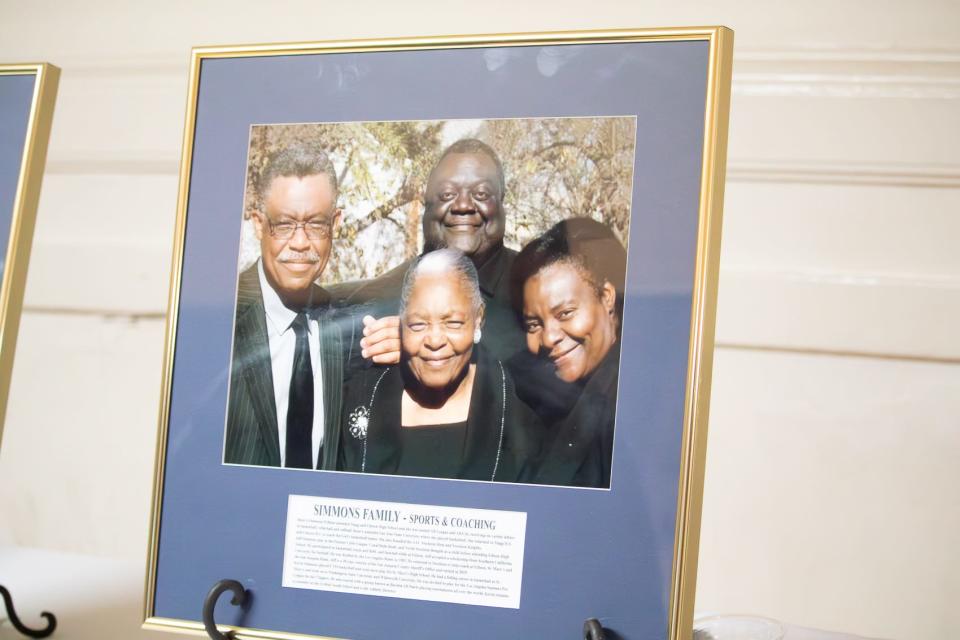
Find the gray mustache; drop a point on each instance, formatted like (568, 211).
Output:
(298, 256)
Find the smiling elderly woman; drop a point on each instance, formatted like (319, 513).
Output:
(568, 288)
(449, 409)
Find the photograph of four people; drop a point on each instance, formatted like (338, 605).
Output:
(439, 299)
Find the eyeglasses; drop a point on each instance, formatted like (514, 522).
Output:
(315, 229)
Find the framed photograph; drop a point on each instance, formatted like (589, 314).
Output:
(27, 96)
(440, 335)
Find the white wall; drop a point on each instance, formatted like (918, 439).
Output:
(835, 431)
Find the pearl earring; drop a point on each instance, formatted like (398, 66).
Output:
(476, 336)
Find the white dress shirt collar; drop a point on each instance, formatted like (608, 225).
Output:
(279, 317)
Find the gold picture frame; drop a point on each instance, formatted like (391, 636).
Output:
(24, 214)
(712, 167)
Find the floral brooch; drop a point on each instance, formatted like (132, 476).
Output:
(359, 420)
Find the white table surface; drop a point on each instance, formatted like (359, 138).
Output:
(793, 632)
(97, 598)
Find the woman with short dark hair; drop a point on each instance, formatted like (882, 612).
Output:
(568, 288)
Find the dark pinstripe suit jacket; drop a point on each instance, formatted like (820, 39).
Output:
(252, 432)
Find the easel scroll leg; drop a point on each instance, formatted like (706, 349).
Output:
(593, 630)
(22, 628)
(240, 597)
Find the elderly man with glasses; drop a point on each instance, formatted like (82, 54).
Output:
(286, 372)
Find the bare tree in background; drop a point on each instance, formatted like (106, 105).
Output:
(555, 168)
(562, 168)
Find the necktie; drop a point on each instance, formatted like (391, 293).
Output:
(299, 446)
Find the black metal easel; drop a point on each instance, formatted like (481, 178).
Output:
(592, 629)
(240, 599)
(22, 628)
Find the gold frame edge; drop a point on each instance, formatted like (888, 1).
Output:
(587, 36)
(172, 625)
(24, 218)
(702, 332)
(170, 335)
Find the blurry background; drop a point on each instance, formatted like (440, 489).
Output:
(832, 470)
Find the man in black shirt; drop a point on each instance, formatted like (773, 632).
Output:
(463, 210)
